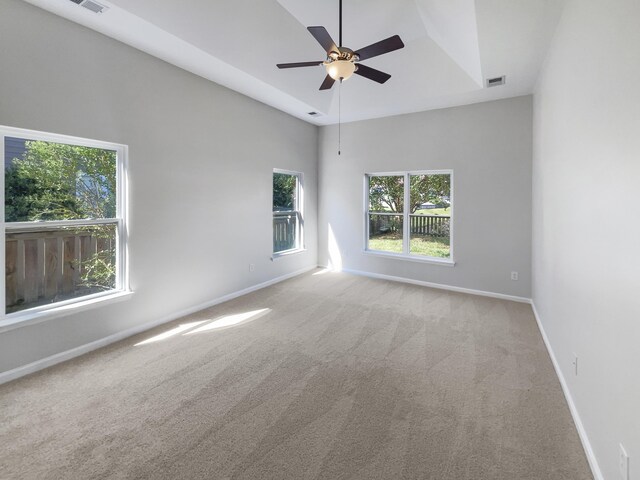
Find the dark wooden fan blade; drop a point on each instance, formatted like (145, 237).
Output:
(324, 39)
(328, 83)
(379, 48)
(372, 74)
(299, 64)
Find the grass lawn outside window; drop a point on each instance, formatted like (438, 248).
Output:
(427, 245)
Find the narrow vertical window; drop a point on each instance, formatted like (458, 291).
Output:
(287, 212)
(409, 214)
(63, 220)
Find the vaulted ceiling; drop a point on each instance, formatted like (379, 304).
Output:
(451, 48)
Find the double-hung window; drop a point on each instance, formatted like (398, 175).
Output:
(63, 222)
(409, 214)
(287, 212)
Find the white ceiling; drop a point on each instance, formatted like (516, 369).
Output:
(451, 47)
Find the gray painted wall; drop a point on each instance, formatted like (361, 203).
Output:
(200, 166)
(586, 207)
(489, 147)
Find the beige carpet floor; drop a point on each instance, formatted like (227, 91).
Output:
(325, 376)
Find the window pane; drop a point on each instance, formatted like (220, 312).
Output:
(285, 228)
(386, 194)
(430, 215)
(52, 264)
(287, 217)
(385, 233)
(55, 181)
(284, 192)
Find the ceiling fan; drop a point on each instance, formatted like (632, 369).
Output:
(342, 62)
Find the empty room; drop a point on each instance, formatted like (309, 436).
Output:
(338, 239)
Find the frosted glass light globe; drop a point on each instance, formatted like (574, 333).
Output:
(340, 69)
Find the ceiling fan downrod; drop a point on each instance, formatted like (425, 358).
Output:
(340, 26)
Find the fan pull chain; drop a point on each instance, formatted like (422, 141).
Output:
(339, 116)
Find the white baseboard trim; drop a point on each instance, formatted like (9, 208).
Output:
(582, 433)
(33, 367)
(439, 286)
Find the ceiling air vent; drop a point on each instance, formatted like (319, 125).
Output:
(496, 81)
(95, 7)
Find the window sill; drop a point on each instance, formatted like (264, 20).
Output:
(286, 253)
(445, 262)
(44, 313)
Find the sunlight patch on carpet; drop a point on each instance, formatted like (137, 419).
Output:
(231, 320)
(321, 272)
(170, 333)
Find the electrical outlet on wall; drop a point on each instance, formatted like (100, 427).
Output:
(252, 267)
(575, 364)
(623, 463)
(514, 276)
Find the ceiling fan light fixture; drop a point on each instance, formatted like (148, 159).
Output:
(340, 69)
(342, 62)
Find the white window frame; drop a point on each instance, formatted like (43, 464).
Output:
(406, 222)
(299, 211)
(65, 307)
